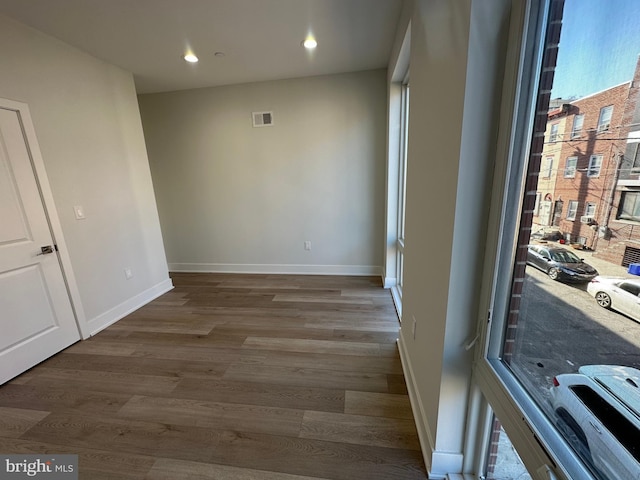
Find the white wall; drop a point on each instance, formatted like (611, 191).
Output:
(455, 63)
(88, 126)
(236, 198)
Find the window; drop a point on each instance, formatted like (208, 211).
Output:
(616, 423)
(595, 164)
(578, 121)
(525, 345)
(397, 146)
(629, 208)
(402, 189)
(548, 168)
(590, 209)
(553, 134)
(635, 158)
(570, 167)
(604, 120)
(536, 207)
(632, 288)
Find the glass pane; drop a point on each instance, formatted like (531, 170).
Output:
(571, 325)
(503, 462)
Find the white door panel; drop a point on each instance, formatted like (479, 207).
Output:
(36, 316)
(38, 319)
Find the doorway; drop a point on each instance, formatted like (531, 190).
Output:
(38, 318)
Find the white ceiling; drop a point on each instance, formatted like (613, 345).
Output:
(261, 39)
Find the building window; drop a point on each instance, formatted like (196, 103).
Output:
(604, 120)
(536, 207)
(595, 164)
(590, 210)
(572, 210)
(553, 134)
(548, 167)
(629, 208)
(578, 121)
(570, 167)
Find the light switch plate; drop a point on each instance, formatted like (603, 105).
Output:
(79, 211)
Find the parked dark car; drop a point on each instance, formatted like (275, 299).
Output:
(560, 264)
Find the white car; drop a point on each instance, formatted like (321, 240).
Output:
(598, 410)
(620, 294)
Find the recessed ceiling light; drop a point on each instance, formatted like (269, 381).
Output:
(310, 43)
(190, 57)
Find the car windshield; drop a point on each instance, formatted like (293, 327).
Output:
(565, 257)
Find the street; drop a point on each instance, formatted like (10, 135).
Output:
(561, 328)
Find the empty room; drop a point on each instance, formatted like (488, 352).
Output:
(278, 239)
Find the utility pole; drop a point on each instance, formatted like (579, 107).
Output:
(602, 229)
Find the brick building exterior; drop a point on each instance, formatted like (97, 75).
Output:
(591, 151)
(545, 206)
(618, 240)
(587, 167)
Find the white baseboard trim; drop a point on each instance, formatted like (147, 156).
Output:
(397, 301)
(439, 464)
(111, 316)
(390, 282)
(444, 462)
(359, 270)
(426, 442)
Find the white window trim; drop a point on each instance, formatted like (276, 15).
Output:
(605, 126)
(573, 216)
(402, 193)
(538, 444)
(586, 209)
(574, 169)
(548, 167)
(591, 166)
(395, 151)
(576, 133)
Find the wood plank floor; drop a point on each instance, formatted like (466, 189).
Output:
(239, 377)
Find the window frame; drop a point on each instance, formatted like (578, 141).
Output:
(623, 196)
(402, 189)
(575, 204)
(553, 133)
(548, 167)
(594, 208)
(605, 112)
(577, 132)
(591, 169)
(574, 168)
(540, 446)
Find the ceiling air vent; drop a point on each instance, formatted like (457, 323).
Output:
(262, 119)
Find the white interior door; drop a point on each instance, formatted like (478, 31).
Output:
(36, 316)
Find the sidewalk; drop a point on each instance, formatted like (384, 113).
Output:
(604, 268)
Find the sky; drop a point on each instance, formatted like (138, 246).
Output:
(599, 46)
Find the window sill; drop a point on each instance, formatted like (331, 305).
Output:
(626, 221)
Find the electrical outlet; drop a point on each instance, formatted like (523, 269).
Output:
(307, 245)
(128, 273)
(413, 326)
